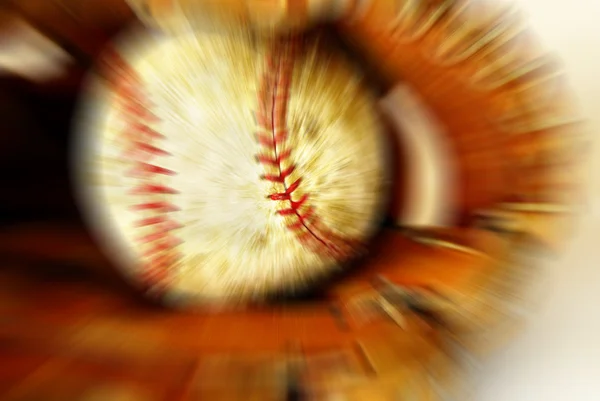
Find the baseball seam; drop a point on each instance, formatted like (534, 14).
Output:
(142, 146)
(273, 133)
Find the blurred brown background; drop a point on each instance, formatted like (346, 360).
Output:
(36, 113)
(41, 313)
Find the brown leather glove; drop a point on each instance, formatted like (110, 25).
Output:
(278, 14)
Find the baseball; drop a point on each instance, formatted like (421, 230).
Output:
(227, 167)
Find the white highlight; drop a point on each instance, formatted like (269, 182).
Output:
(26, 52)
(431, 170)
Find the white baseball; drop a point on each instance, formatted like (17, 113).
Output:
(229, 167)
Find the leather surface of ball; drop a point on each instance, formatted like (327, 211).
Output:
(228, 167)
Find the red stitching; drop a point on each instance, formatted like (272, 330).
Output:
(159, 247)
(141, 149)
(151, 189)
(145, 169)
(271, 117)
(141, 139)
(163, 207)
(138, 129)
